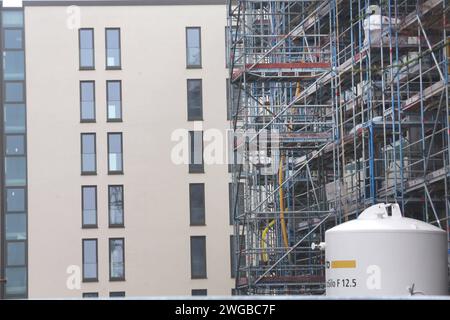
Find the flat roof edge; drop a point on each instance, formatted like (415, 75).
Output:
(31, 3)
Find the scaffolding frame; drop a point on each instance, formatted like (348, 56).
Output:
(359, 109)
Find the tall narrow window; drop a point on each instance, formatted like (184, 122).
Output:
(114, 100)
(90, 260)
(229, 110)
(228, 43)
(194, 97)
(89, 206)
(198, 257)
(116, 259)
(230, 150)
(196, 152)
(193, 47)
(115, 195)
(88, 154)
(232, 100)
(86, 43)
(197, 204)
(113, 55)
(87, 101)
(232, 201)
(234, 254)
(232, 51)
(115, 161)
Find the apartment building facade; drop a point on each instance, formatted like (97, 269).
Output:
(98, 99)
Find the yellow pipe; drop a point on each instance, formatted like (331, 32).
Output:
(265, 256)
(283, 223)
(297, 90)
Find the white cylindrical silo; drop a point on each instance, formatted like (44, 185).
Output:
(384, 254)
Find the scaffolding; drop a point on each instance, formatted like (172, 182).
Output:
(337, 105)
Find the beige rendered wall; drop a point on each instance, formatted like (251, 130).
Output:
(157, 231)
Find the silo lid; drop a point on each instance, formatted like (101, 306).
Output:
(378, 217)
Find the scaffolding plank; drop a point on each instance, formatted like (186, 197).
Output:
(424, 9)
(426, 94)
(282, 69)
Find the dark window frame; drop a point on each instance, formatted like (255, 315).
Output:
(113, 279)
(205, 275)
(115, 172)
(84, 225)
(122, 225)
(192, 66)
(227, 47)
(228, 100)
(88, 173)
(234, 254)
(119, 67)
(93, 49)
(228, 44)
(233, 257)
(96, 259)
(232, 201)
(81, 102)
(203, 221)
(108, 119)
(117, 294)
(199, 292)
(196, 167)
(189, 116)
(231, 154)
(232, 99)
(91, 295)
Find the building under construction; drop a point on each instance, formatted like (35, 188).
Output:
(337, 105)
